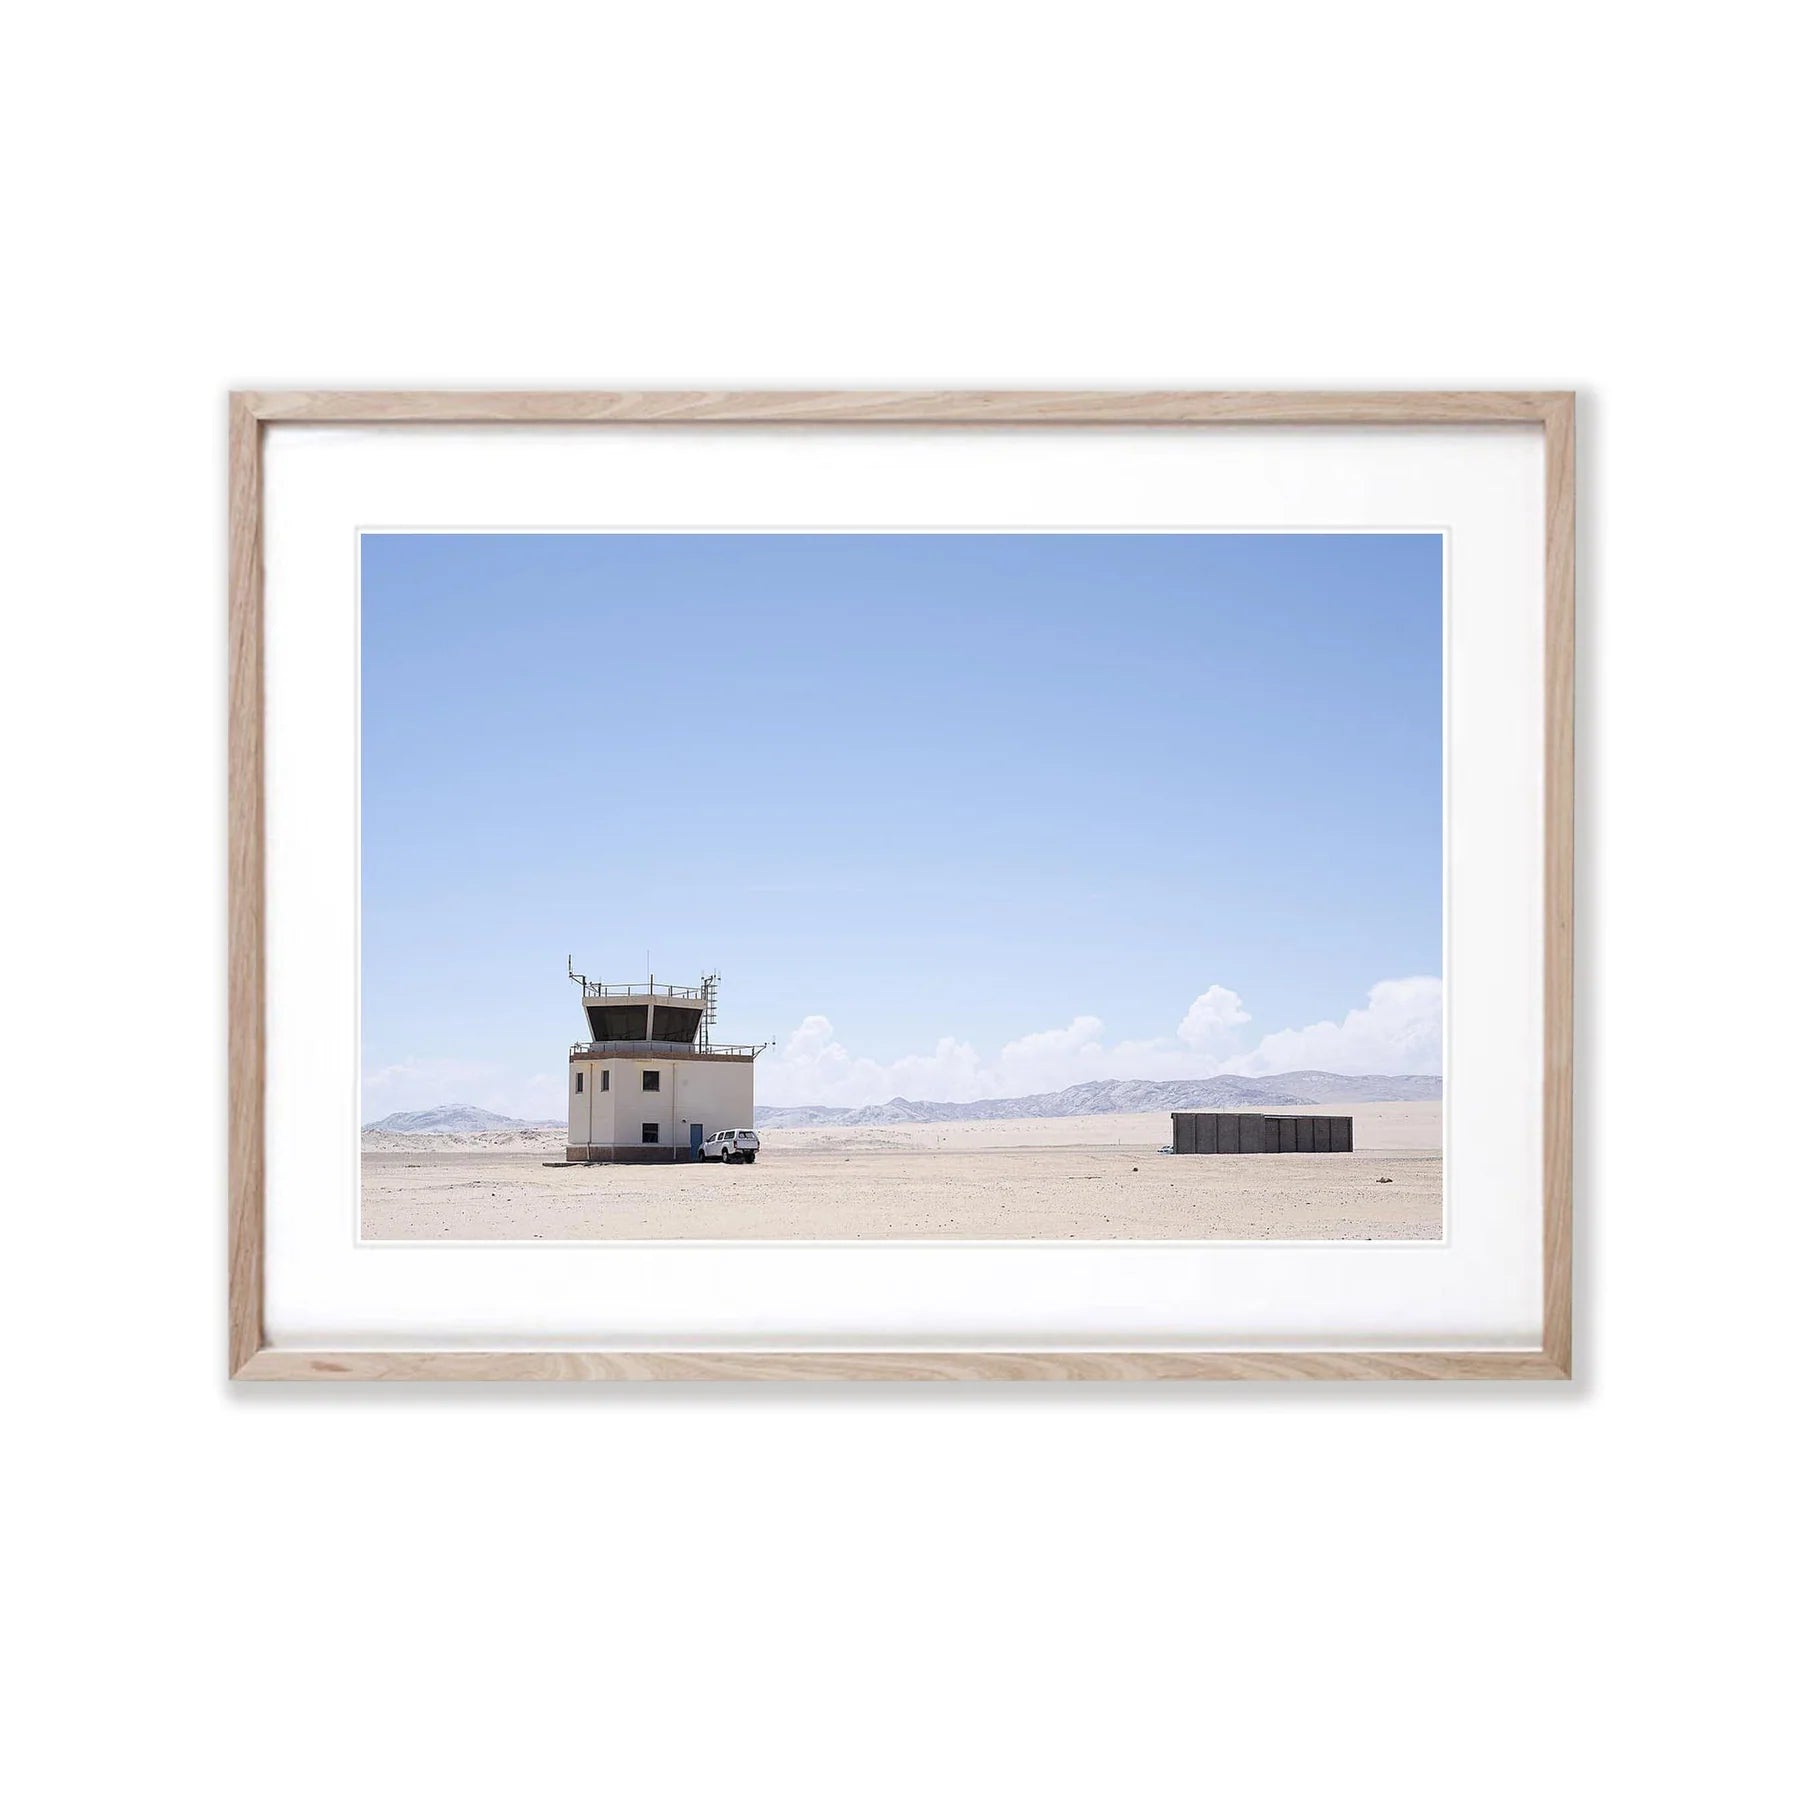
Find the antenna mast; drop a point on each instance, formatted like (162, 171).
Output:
(709, 1013)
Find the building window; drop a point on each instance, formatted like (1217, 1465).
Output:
(578, 1079)
(651, 1133)
(605, 1080)
(652, 1084)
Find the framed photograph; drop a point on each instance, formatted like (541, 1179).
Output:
(901, 886)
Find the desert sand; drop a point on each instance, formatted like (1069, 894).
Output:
(1092, 1177)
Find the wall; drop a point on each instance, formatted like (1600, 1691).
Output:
(715, 1094)
(718, 1095)
(591, 1112)
(633, 1108)
(582, 1082)
(1246, 1592)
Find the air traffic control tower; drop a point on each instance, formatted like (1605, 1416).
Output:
(648, 1082)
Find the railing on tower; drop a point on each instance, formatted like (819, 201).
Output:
(651, 990)
(638, 990)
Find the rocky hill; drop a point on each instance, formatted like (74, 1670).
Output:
(1305, 1087)
(459, 1118)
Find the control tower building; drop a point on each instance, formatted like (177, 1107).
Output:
(648, 1082)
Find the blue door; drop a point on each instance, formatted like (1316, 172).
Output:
(695, 1134)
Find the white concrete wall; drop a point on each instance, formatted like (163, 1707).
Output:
(633, 1108)
(716, 1095)
(580, 1104)
(590, 1111)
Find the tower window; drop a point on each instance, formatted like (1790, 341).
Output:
(605, 1080)
(652, 1084)
(578, 1080)
(652, 1133)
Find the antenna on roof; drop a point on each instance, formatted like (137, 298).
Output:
(709, 1012)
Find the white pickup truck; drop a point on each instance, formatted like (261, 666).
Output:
(730, 1146)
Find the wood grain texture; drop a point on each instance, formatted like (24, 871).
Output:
(886, 1365)
(876, 408)
(244, 810)
(250, 1359)
(1559, 880)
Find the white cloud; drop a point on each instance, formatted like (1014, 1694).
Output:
(812, 1063)
(1399, 1032)
(419, 1083)
(1211, 1019)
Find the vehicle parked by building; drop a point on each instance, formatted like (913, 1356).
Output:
(730, 1146)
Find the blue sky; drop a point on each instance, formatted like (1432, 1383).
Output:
(960, 812)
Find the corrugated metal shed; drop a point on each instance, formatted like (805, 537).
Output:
(1265, 1134)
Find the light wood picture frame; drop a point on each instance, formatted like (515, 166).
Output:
(250, 1356)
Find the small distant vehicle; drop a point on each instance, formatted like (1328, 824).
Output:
(730, 1146)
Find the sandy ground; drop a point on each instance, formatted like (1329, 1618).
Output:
(1094, 1177)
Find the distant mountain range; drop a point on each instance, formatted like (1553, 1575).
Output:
(460, 1118)
(1305, 1087)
